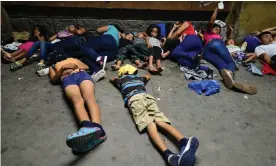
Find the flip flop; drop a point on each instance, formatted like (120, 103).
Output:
(245, 88)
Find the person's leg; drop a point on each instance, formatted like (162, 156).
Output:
(121, 56)
(88, 93)
(83, 139)
(73, 93)
(20, 55)
(157, 57)
(89, 53)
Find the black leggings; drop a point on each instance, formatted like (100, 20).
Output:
(155, 52)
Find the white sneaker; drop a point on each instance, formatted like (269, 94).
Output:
(43, 72)
(220, 5)
(99, 75)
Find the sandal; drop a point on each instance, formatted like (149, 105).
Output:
(245, 88)
(15, 66)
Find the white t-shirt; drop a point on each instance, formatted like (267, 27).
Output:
(154, 42)
(270, 49)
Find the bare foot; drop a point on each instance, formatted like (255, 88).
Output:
(115, 67)
(152, 69)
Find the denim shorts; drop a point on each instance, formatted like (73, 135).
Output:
(75, 79)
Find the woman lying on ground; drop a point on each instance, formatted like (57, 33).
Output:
(184, 46)
(218, 55)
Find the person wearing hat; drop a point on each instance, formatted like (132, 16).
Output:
(148, 117)
(267, 50)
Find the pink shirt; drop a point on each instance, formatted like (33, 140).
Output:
(208, 36)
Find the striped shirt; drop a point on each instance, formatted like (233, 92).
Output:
(130, 85)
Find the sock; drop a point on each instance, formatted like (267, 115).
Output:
(166, 154)
(183, 142)
(86, 123)
(92, 124)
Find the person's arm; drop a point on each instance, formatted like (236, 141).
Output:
(269, 29)
(54, 77)
(82, 65)
(114, 81)
(40, 38)
(53, 38)
(146, 78)
(102, 29)
(148, 43)
(213, 18)
(164, 55)
(230, 32)
(180, 30)
(261, 54)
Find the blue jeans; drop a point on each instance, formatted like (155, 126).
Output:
(104, 45)
(43, 49)
(70, 45)
(218, 55)
(185, 53)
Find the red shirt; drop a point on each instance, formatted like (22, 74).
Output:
(190, 30)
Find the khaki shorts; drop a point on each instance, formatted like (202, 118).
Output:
(145, 110)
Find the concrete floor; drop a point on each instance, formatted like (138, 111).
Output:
(233, 131)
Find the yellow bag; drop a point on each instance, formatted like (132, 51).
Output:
(20, 35)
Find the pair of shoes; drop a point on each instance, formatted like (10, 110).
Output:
(100, 74)
(187, 154)
(85, 139)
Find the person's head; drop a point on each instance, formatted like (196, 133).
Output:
(265, 37)
(127, 70)
(141, 35)
(230, 42)
(154, 31)
(71, 28)
(216, 29)
(129, 36)
(171, 44)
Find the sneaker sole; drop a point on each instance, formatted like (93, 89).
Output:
(227, 79)
(245, 88)
(94, 144)
(187, 158)
(82, 141)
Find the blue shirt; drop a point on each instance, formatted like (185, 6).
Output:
(113, 31)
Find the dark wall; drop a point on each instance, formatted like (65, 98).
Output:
(23, 18)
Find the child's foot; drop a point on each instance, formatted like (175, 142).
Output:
(227, 78)
(15, 66)
(152, 69)
(98, 76)
(173, 159)
(245, 88)
(40, 66)
(142, 65)
(160, 69)
(115, 67)
(85, 139)
(187, 155)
